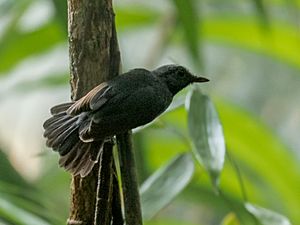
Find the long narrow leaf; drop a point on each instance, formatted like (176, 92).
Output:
(165, 184)
(61, 13)
(265, 216)
(261, 12)
(231, 219)
(236, 31)
(17, 46)
(135, 16)
(18, 216)
(206, 133)
(270, 170)
(189, 18)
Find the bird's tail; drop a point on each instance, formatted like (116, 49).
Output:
(61, 131)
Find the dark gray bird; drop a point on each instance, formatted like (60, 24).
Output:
(77, 130)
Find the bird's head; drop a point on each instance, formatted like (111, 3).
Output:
(176, 77)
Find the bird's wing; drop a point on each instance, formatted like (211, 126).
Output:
(125, 112)
(105, 91)
(93, 100)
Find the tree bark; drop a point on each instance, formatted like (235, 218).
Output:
(94, 58)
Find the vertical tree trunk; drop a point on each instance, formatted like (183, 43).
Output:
(94, 58)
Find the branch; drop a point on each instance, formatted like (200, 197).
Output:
(133, 215)
(116, 203)
(105, 187)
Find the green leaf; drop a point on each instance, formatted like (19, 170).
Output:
(268, 167)
(206, 133)
(188, 15)
(17, 46)
(235, 31)
(165, 184)
(231, 219)
(265, 216)
(49, 81)
(261, 12)
(135, 16)
(9, 174)
(32, 201)
(172, 221)
(18, 216)
(15, 9)
(23, 195)
(61, 13)
(5, 6)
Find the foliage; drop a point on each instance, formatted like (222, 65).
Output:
(248, 49)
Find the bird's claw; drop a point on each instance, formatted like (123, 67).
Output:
(110, 140)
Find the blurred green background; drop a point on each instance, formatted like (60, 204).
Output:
(250, 50)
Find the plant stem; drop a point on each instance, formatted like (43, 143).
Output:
(117, 213)
(105, 187)
(133, 215)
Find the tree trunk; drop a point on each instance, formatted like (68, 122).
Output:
(94, 58)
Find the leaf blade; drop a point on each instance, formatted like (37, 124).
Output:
(231, 219)
(206, 133)
(189, 18)
(19, 216)
(165, 184)
(266, 216)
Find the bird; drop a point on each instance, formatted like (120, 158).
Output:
(77, 130)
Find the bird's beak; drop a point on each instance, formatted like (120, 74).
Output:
(199, 79)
